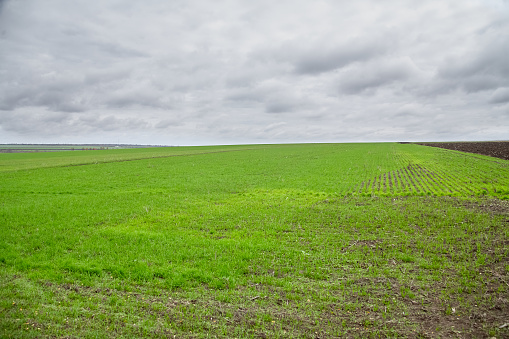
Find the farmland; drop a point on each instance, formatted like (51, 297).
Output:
(309, 240)
(25, 148)
(498, 149)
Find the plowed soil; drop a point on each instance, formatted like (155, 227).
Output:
(497, 149)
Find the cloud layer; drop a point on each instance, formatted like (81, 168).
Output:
(198, 72)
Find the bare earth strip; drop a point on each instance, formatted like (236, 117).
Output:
(497, 149)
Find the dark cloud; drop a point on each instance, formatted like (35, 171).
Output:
(367, 77)
(501, 95)
(318, 59)
(279, 107)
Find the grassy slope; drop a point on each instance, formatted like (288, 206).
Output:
(281, 240)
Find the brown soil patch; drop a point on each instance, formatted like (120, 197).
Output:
(497, 149)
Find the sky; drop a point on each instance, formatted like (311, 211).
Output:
(196, 72)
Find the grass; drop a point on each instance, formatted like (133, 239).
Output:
(325, 240)
(23, 161)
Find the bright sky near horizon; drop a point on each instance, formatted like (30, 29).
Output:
(194, 72)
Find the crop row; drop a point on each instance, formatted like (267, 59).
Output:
(358, 169)
(439, 173)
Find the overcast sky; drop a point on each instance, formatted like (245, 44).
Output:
(196, 72)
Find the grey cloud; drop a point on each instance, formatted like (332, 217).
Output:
(258, 93)
(234, 72)
(28, 123)
(112, 123)
(481, 82)
(248, 95)
(148, 98)
(2, 3)
(165, 123)
(105, 76)
(370, 76)
(279, 107)
(251, 71)
(501, 95)
(79, 92)
(273, 96)
(277, 125)
(408, 110)
(97, 122)
(483, 68)
(118, 51)
(58, 100)
(49, 123)
(320, 59)
(10, 100)
(490, 60)
(69, 107)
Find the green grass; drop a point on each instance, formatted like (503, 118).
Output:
(23, 161)
(327, 240)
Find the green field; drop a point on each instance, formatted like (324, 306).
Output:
(307, 240)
